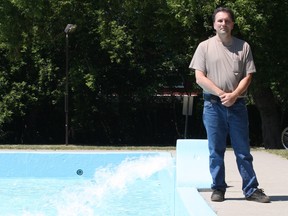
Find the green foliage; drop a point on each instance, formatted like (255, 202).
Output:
(121, 53)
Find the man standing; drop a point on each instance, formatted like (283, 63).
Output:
(223, 67)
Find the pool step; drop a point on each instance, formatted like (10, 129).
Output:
(192, 175)
(191, 203)
(192, 163)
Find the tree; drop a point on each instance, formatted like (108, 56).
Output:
(122, 53)
(119, 48)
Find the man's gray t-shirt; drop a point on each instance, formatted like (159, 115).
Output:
(225, 66)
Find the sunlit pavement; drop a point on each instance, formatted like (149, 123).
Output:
(272, 174)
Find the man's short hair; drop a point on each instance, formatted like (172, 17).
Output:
(223, 9)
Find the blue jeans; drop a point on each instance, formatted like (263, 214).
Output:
(220, 121)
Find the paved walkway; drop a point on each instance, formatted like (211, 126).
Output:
(272, 174)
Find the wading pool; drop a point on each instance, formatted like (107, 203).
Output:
(87, 183)
(69, 183)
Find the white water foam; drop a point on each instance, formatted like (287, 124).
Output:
(130, 188)
(109, 183)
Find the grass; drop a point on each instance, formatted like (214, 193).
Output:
(281, 152)
(85, 148)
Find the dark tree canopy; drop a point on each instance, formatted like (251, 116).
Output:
(120, 56)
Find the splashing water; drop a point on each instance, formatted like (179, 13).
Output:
(127, 172)
(113, 184)
(129, 189)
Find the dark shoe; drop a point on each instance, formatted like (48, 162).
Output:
(259, 196)
(218, 196)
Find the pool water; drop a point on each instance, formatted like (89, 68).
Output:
(141, 185)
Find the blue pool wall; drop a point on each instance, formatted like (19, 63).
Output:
(15, 164)
(192, 174)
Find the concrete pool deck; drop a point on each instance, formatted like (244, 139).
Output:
(272, 174)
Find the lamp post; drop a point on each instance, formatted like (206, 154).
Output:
(69, 29)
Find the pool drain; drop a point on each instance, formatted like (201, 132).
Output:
(79, 172)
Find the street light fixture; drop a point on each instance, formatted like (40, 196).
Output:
(69, 29)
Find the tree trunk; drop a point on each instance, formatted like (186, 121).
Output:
(271, 124)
